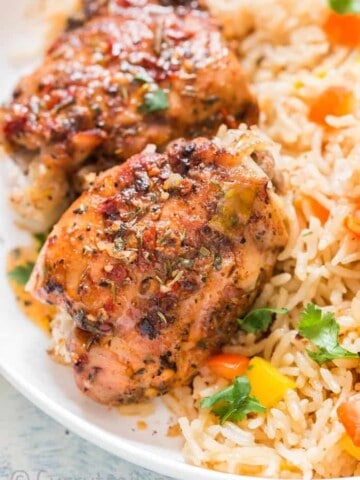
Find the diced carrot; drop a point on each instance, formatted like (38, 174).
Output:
(343, 29)
(317, 209)
(307, 206)
(349, 416)
(336, 100)
(228, 365)
(352, 223)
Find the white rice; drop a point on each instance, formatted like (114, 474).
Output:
(61, 325)
(290, 62)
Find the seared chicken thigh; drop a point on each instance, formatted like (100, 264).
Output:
(115, 83)
(116, 7)
(157, 260)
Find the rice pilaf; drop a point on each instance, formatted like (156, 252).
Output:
(290, 62)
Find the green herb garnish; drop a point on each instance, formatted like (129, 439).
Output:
(322, 329)
(233, 403)
(154, 101)
(21, 273)
(40, 239)
(143, 77)
(260, 319)
(345, 6)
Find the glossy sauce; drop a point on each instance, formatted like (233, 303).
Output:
(37, 312)
(144, 409)
(141, 425)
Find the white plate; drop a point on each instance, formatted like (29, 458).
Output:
(23, 358)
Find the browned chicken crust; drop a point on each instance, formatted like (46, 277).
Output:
(116, 7)
(118, 82)
(156, 262)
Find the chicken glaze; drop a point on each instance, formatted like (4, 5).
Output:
(115, 81)
(157, 261)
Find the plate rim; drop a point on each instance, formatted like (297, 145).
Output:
(128, 452)
(101, 438)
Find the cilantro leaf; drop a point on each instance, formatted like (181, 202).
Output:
(21, 273)
(322, 329)
(260, 319)
(234, 402)
(154, 101)
(345, 6)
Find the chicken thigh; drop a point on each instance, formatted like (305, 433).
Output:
(158, 259)
(115, 83)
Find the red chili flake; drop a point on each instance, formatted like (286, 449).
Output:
(46, 84)
(149, 239)
(59, 99)
(144, 60)
(126, 176)
(186, 186)
(175, 287)
(143, 263)
(117, 274)
(178, 33)
(109, 208)
(15, 127)
(109, 306)
(150, 63)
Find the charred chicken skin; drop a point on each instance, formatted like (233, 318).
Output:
(157, 260)
(120, 81)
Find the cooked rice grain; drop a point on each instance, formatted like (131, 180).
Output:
(289, 62)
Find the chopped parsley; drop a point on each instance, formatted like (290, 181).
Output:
(233, 403)
(21, 273)
(154, 101)
(259, 320)
(345, 6)
(322, 329)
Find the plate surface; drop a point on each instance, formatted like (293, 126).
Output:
(23, 358)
